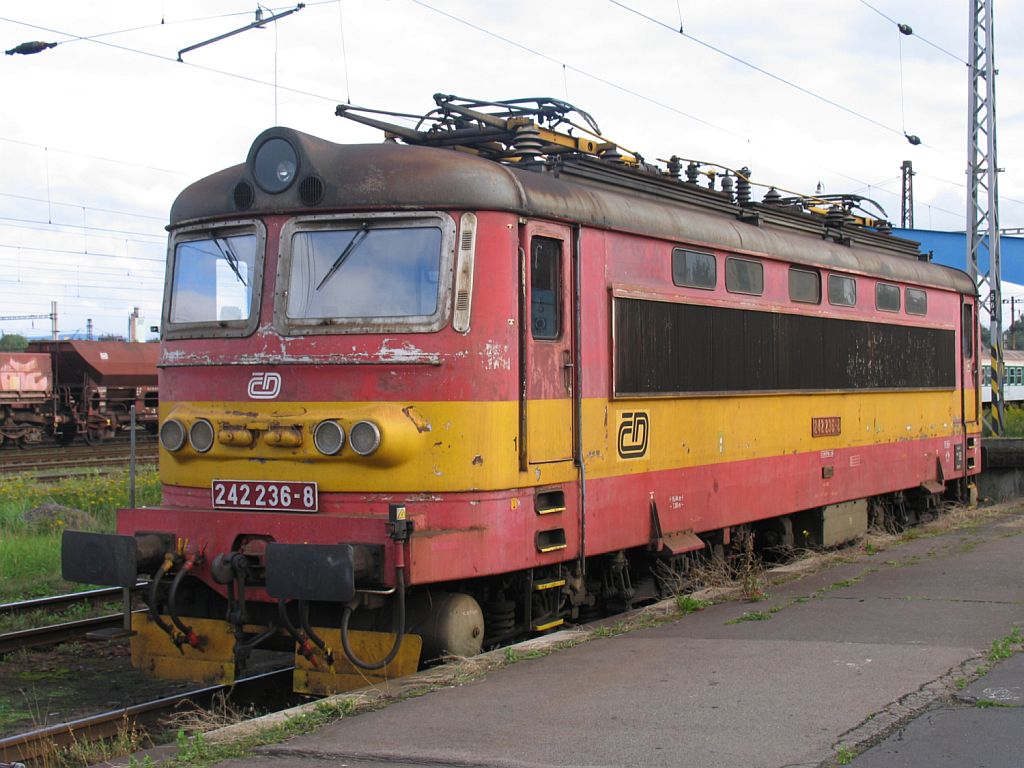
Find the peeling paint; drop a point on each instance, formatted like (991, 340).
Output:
(421, 424)
(478, 460)
(496, 357)
(406, 352)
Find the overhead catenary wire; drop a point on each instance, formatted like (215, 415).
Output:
(580, 71)
(739, 60)
(491, 33)
(70, 228)
(81, 206)
(916, 35)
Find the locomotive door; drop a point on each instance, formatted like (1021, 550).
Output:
(970, 364)
(547, 341)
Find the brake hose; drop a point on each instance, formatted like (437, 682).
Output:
(151, 603)
(350, 654)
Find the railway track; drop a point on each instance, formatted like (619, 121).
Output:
(57, 459)
(39, 742)
(40, 637)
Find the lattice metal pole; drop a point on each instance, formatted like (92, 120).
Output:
(982, 174)
(907, 199)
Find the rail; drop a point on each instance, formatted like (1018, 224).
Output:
(42, 741)
(53, 634)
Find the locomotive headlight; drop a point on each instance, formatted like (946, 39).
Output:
(329, 437)
(275, 165)
(200, 436)
(172, 435)
(364, 438)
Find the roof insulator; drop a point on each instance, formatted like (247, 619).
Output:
(527, 141)
(727, 185)
(772, 197)
(612, 154)
(692, 172)
(675, 167)
(743, 186)
(835, 217)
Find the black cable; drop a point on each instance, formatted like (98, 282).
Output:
(171, 608)
(151, 603)
(399, 626)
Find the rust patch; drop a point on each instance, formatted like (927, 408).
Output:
(434, 532)
(478, 460)
(421, 424)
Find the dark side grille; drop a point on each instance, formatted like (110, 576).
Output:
(666, 348)
(311, 190)
(244, 196)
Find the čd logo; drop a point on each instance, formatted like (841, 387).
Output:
(633, 429)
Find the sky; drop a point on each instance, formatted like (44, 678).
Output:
(100, 133)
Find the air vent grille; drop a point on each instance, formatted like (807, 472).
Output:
(244, 195)
(311, 190)
(464, 273)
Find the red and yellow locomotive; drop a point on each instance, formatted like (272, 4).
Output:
(475, 381)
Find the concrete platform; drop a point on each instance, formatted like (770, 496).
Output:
(834, 663)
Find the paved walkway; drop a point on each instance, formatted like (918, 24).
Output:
(874, 656)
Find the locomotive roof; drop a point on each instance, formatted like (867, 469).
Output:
(591, 192)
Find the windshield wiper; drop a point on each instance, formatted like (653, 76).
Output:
(345, 253)
(228, 252)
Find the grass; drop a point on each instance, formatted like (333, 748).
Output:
(197, 751)
(1013, 422)
(752, 616)
(30, 551)
(689, 604)
(844, 755)
(1005, 647)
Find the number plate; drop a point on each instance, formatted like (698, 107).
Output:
(254, 494)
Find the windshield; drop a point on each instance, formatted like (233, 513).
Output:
(213, 279)
(364, 272)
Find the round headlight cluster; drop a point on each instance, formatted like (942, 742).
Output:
(329, 437)
(172, 435)
(364, 438)
(275, 165)
(200, 436)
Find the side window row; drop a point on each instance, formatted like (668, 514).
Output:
(1013, 375)
(696, 269)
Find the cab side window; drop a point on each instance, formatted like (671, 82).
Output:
(545, 288)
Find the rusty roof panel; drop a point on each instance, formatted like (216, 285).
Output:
(400, 177)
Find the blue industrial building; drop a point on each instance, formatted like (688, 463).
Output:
(950, 249)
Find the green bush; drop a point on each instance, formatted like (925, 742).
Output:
(1013, 421)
